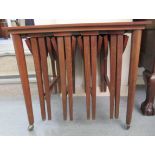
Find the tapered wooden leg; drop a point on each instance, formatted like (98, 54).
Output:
(80, 44)
(81, 48)
(69, 74)
(105, 74)
(87, 72)
(28, 43)
(113, 41)
(135, 49)
(101, 57)
(99, 43)
(58, 74)
(55, 47)
(102, 71)
(18, 45)
(61, 52)
(118, 73)
(52, 57)
(54, 73)
(94, 61)
(103, 63)
(37, 64)
(73, 60)
(54, 44)
(44, 66)
(125, 41)
(105, 40)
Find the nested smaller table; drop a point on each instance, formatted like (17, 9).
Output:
(90, 34)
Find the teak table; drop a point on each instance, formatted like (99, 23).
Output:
(89, 32)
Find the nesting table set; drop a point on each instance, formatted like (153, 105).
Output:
(59, 43)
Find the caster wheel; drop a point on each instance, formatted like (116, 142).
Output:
(30, 127)
(127, 127)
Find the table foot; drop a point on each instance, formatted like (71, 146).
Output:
(127, 126)
(30, 127)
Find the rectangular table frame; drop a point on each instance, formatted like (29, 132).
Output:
(86, 30)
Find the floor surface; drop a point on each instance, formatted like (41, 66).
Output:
(13, 118)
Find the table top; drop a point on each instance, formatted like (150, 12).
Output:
(113, 26)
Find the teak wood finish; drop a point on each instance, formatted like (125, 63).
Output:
(36, 56)
(34, 47)
(68, 49)
(89, 38)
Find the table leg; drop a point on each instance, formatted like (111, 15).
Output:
(81, 48)
(134, 58)
(73, 60)
(37, 64)
(61, 52)
(44, 66)
(113, 45)
(69, 74)
(125, 41)
(52, 58)
(53, 72)
(18, 45)
(99, 43)
(105, 40)
(102, 70)
(58, 74)
(94, 65)
(55, 47)
(105, 74)
(87, 72)
(118, 73)
(101, 58)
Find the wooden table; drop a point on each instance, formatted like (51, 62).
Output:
(89, 32)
